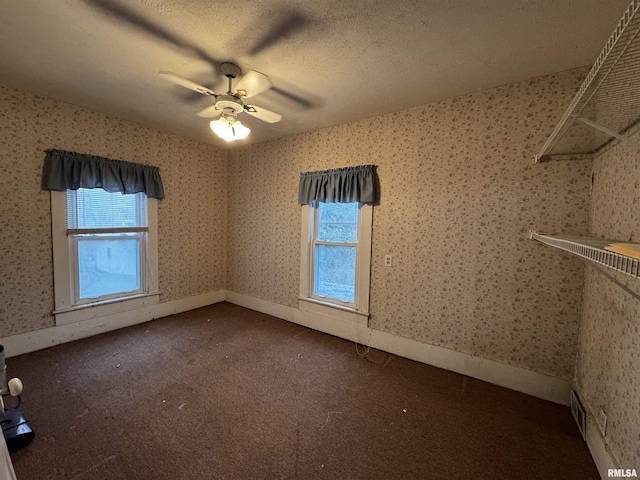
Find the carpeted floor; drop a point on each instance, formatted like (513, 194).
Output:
(223, 392)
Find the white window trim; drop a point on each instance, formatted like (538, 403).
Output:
(75, 281)
(359, 312)
(65, 311)
(314, 242)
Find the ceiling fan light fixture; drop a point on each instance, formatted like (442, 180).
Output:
(229, 128)
(240, 130)
(222, 128)
(230, 104)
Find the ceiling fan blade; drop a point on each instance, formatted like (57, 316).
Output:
(209, 112)
(186, 83)
(289, 22)
(263, 114)
(252, 83)
(125, 13)
(303, 102)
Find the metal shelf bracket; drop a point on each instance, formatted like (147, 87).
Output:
(610, 132)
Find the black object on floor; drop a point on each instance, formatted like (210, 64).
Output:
(16, 429)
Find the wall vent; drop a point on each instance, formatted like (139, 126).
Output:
(577, 410)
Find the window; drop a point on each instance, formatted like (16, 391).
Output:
(333, 251)
(105, 249)
(336, 255)
(335, 266)
(107, 238)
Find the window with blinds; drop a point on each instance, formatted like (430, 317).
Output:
(89, 209)
(107, 235)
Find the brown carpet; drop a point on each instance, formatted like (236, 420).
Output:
(225, 392)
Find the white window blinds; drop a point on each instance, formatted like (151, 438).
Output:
(97, 209)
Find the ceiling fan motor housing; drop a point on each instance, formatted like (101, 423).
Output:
(229, 101)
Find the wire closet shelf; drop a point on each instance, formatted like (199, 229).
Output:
(606, 108)
(592, 249)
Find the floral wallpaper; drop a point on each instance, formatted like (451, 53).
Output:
(191, 219)
(459, 195)
(608, 367)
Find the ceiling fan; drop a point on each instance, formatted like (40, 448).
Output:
(228, 105)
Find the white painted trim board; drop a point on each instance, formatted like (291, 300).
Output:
(598, 449)
(48, 337)
(597, 444)
(516, 378)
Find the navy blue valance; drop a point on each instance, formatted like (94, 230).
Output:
(340, 185)
(71, 171)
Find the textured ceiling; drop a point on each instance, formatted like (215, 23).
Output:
(332, 62)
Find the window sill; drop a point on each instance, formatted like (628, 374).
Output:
(79, 313)
(338, 312)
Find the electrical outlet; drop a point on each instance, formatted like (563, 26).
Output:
(602, 422)
(387, 260)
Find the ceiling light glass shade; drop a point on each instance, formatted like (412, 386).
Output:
(229, 129)
(240, 130)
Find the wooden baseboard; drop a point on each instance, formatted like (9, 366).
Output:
(48, 337)
(598, 446)
(515, 378)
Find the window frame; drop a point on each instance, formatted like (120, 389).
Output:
(74, 265)
(315, 226)
(358, 310)
(68, 308)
